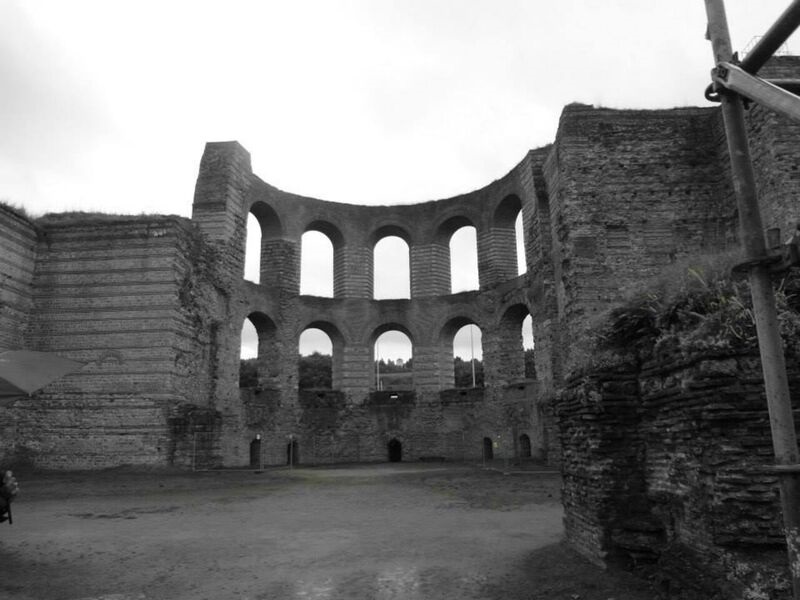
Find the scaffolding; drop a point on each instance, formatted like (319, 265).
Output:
(736, 83)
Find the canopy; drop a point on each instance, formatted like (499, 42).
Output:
(22, 372)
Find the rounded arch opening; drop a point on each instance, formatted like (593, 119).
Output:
(263, 227)
(468, 357)
(252, 252)
(529, 347)
(508, 238)
(464, 260)
(519, 235)
(391, 268)
(320, 362)
(514, 333)
(393, 352)
(315, 365)
(322, 259)
(257, 350)
(461, 353)
(458, 236)
(316, 264)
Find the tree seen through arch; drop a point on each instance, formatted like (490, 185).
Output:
(315, 363)
(393, 368)
(248, 355)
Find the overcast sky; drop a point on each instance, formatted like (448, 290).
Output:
(106, 105)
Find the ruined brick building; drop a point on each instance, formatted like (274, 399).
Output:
(154, 305)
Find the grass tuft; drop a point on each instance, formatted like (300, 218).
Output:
(692, 305)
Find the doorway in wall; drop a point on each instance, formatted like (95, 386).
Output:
(292, 453)
(524, 446)
(255, 453)
(488, 450)
(395, 449)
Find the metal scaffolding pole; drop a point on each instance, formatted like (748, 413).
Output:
(773, 39)
(784, 440)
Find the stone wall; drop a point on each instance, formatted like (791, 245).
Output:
(449, 425)
(154, 305)
(17, 263)
(631, 192)
(116, 294)
(663, 463)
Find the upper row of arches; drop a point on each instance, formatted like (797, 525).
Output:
(391, 252)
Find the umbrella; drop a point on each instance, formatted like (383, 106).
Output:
(22, 372)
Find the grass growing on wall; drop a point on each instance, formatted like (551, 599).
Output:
(696, 304)
(16, 209)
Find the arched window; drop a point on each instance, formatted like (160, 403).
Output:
(391, 269)
(460, 350)
(257, 350)
(468, 357)
(321, 356)
(248, 356)
(528, 346)
(522, 263)
(510, 357)
(263, 239)
(316, 264)
(393, 368)
(507, 239)
(464, 260)
(252, 253)
(316, 360)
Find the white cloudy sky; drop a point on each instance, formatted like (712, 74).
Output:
(106, 105)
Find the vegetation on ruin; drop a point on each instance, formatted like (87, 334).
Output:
(694, 305)
(16, 209)
(315, 371)
(83, 217)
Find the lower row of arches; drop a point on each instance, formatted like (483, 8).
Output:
(320, 349)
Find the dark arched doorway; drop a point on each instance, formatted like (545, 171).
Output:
(292, 453)
(395, 449)
(488, 450)
(255, 453)
(524, 446)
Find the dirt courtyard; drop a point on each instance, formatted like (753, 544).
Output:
(401, 531)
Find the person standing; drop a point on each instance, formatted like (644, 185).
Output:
(8, 489)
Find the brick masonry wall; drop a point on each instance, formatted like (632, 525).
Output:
(17, 261)
(449, 425)
(115, 294)
(155, 310)
(630, 193)
(663, 463)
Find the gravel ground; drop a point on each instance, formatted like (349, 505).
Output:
(404, 531)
